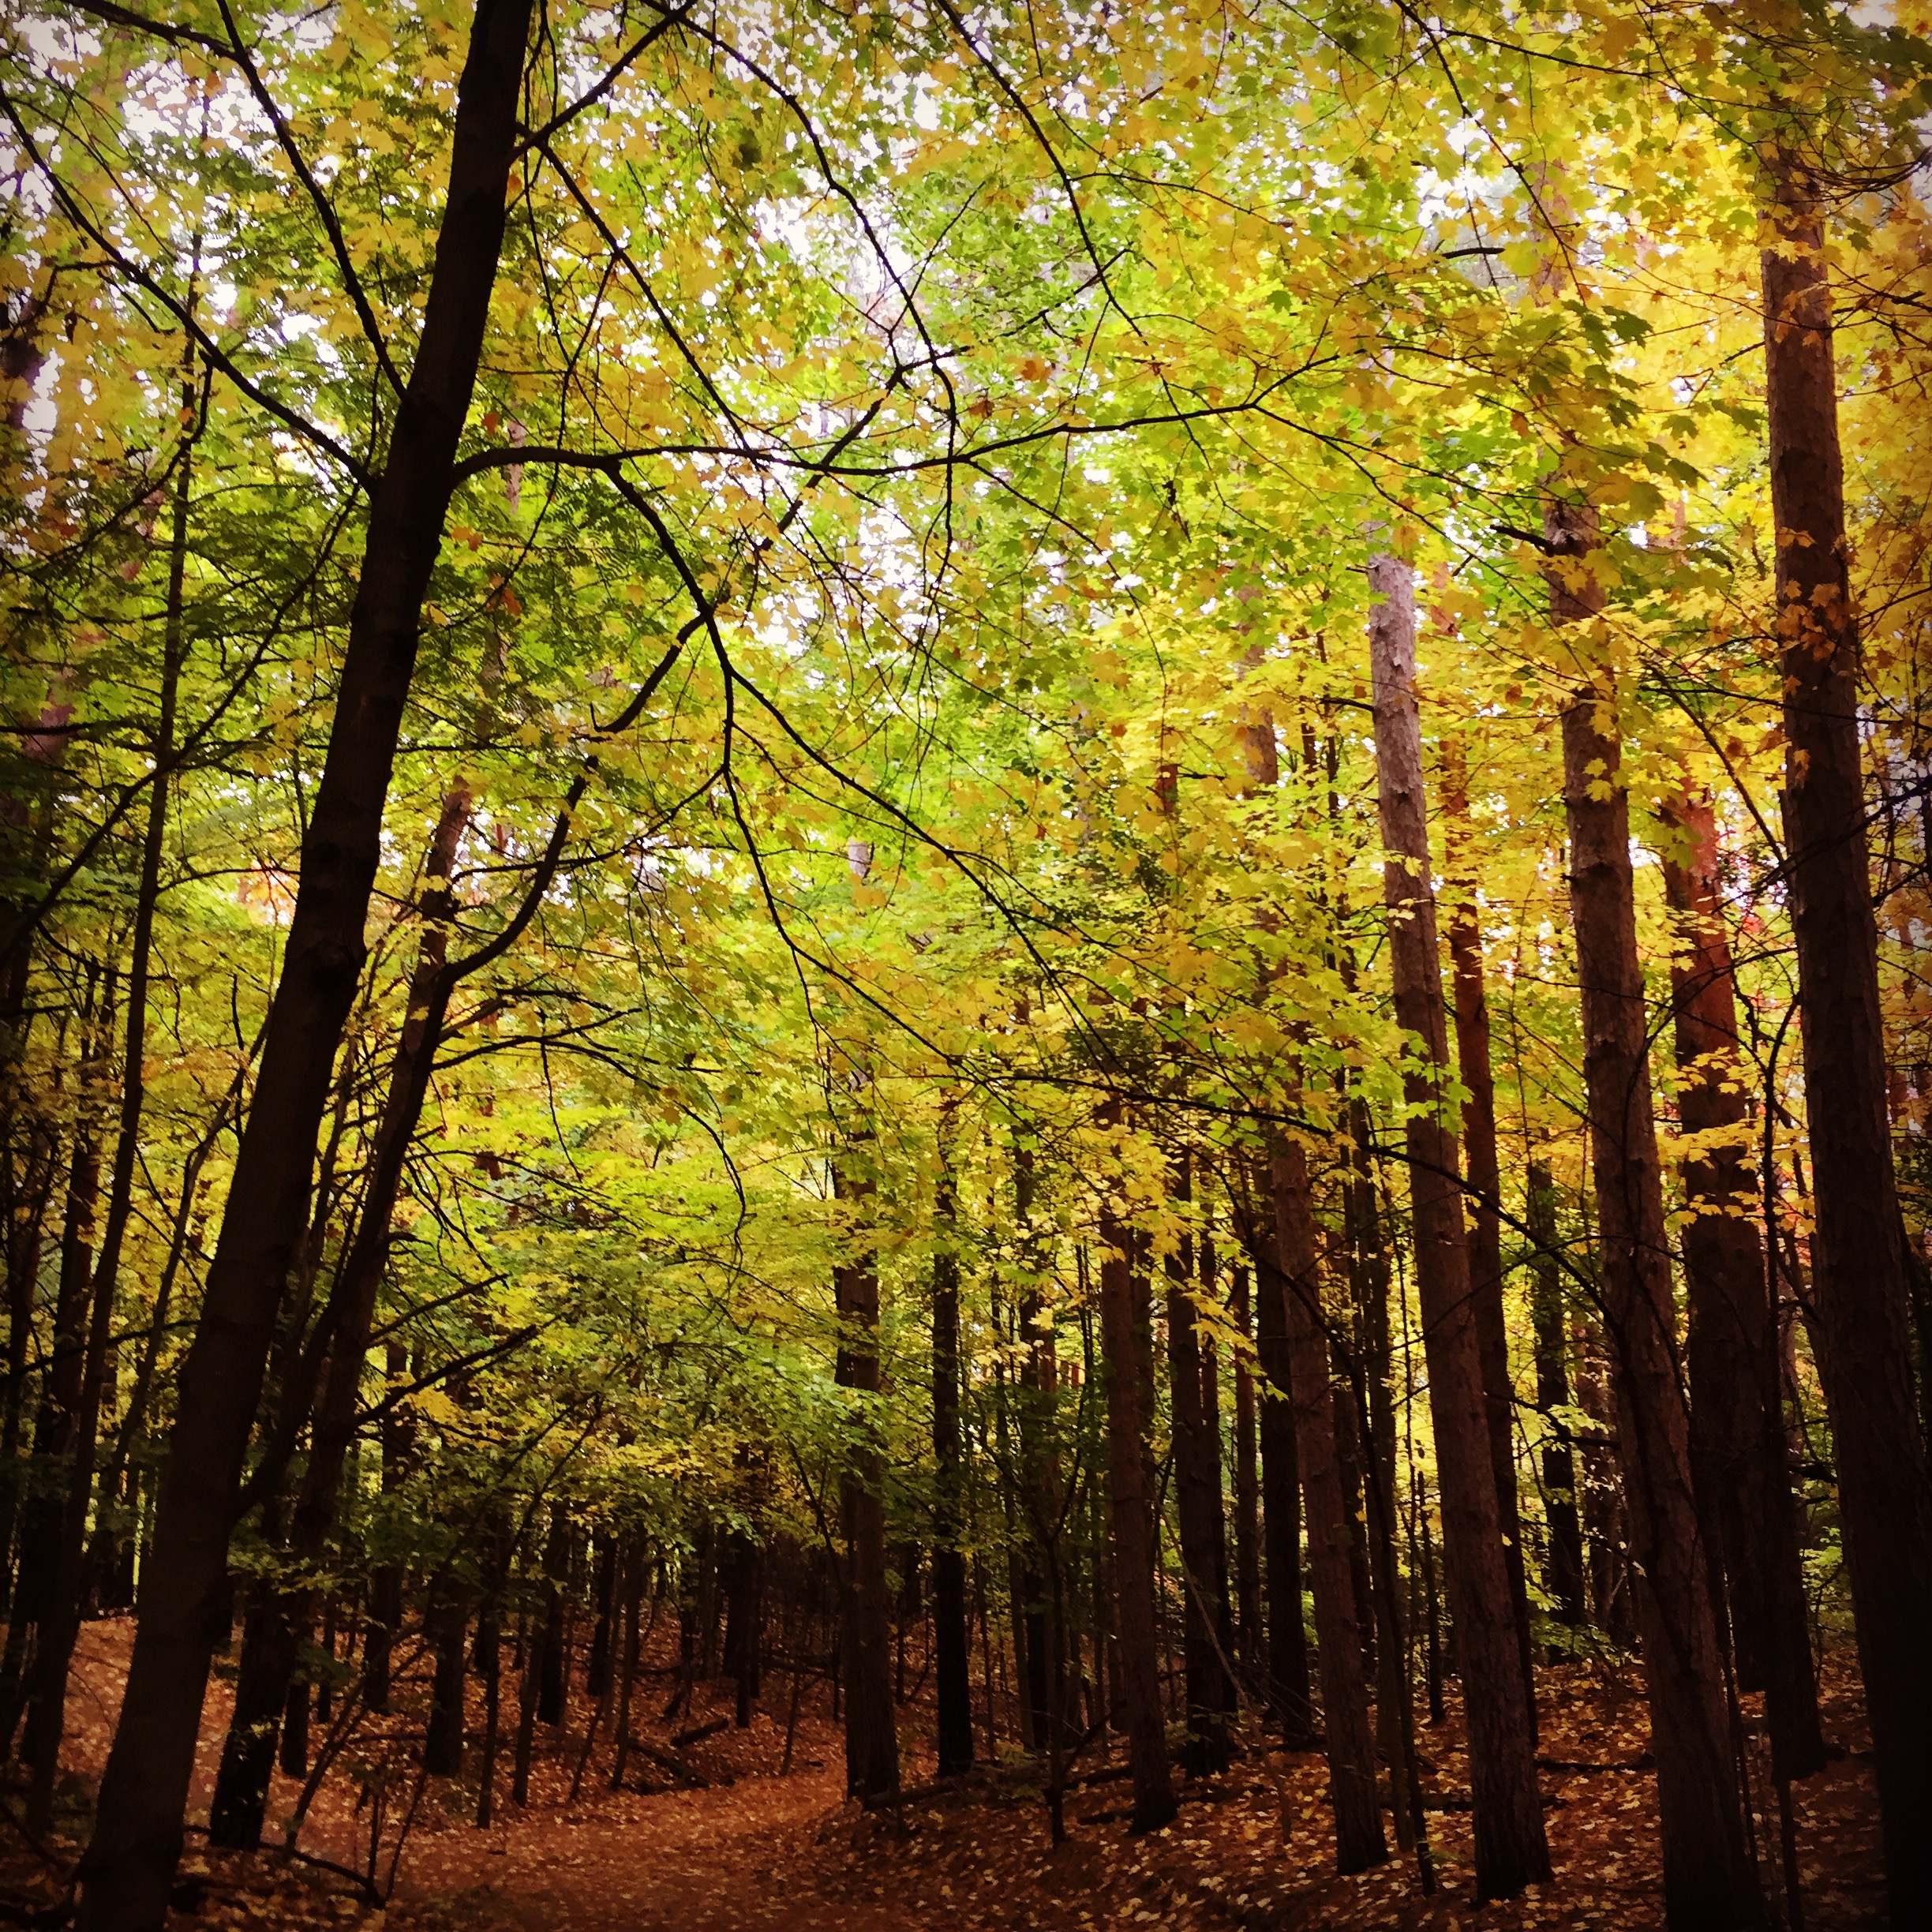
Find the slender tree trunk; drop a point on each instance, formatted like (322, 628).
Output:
(551, 1678)
(1126, 1348)
(385, 1606)
(1709, 1880)
(129, 1866)
(60, 1629)
(1197, 1499)
(1739, 1460)
(603, 1559)
(1289, 1697)
(1037, 1400)
(951, 1639)
(448, 1619)
(1247, 1489)
(1859, 1269)
(1563, 1576)
(1359, 1843)
(1511, 1850)
(490, 1668)
(871, 1724)
(1227, 1645)
(1469, 1009)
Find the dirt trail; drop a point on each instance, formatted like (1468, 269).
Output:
(735, 1860)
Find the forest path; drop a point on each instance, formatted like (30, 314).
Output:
(735, 1860)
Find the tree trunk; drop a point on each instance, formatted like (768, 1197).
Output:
(552, 1685)
(1197, 1499)
(871, 1724)
(1359, 1843)
(385, 1607)
(1222, 1602)
(1709, 1880)
(1562, 1574)
(604, 1562)
(1246, 1490)
(950, 1636)
(1037, 1400)
(1470, 1009)
(278, 1624)
(1290, 1700)
(1858, 1271)
(1738, 1459)
(448, 1622)
(1511, 1850)
(129, 1866)
(1125, 1348)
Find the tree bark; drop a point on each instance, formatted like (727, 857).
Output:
(279, 1622)
(1469, 1009)
(1739, 1462)
(1511, 1850)
(871, 1724)
(950, 1636)
(1359, 1843)
(1289, 1701)
(1858, 1260)
(1709, 1880)
(1126, 1349)
(1197, 1498)
(129, 1866)
(1289, 1690)
(1247, 1489)
(1562, 1574)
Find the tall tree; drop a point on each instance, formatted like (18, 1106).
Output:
(1198, 1504)
(129, 1864)
(1511, 1850)
(1738, 1456)
(1125, 1346)
(1359, 1843)
(1709, 1879)
(951, 1656)
(1469, 1011)
(1858, 1271)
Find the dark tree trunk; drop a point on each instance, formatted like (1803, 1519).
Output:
(603, 1560)
(129, 1866)
(1709, 1880)
(1127, 1349)
(744, 1613)
(1359, 1843)
(60, 1626)
(1289, 1697)
(490, 1668)
(1037, 1400)
(1197, 1498)
(385, 1604)
(1738, 1459)
(448, 1621)
(1354, 1491)
(1470, 1008)
(1858, 1260)
(1288, 1690)
(1511, 1850)
(1562, 1574)
(265, 1689)
(871, 1724)
(950, 1636)
(1226, 1643)
(1247, 1491)
(1369, 1371)
(553, 1651)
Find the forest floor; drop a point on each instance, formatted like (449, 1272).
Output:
(744, 1849)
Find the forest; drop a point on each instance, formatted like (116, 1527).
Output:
(966, 964)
